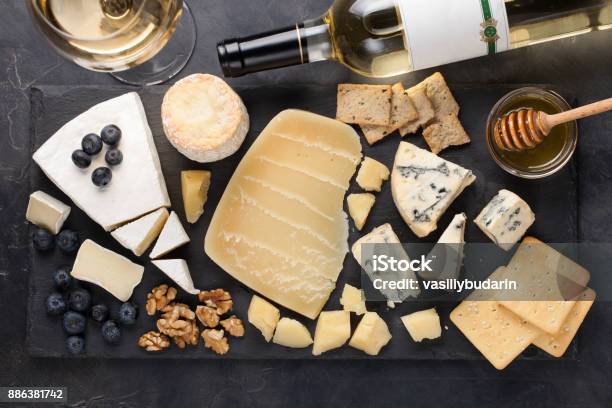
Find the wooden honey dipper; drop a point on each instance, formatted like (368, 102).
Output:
(524, 129)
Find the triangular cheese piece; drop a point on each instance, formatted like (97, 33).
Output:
(172, 236)
(138, 235)
(137, 186)
(447, 255)
(178, 271)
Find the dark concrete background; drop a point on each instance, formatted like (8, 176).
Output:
(583, 65)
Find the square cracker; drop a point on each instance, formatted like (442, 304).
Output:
(557, 344)
(402, 112)
(424, 108)
(448, 132)
(441, 97)
(497, 333)
(364, 104)
(550, 278)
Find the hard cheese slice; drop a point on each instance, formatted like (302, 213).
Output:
(172, 236)
(279, 227)
(178, 271)
(138, 185)
(138, 235)
(424, 186)
(111, 271)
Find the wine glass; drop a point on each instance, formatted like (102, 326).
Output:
(140, 42)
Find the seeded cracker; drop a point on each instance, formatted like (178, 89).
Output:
(402, 112)
(448, 132)
(441, 97)
(364, 104)
(424, 108)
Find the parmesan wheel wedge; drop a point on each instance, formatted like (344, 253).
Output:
(203, 118)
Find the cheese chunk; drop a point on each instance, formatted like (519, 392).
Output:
(424, 186)
(371, 334)
(505, 219)
(353, 299)
(371, 174)
(138, 185)
(172, 236)
(194, 187)
(112, 272)
(291, 333)
(263, 315)
(423, 325)
(359, 206)
(178, 271)
(447, 255)
(280, 227)
(47, 212)
(138, 235)
(333, 330)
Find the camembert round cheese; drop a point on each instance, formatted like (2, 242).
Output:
(203, 118)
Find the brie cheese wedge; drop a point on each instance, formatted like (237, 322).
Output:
(172, 236)
(138, 185)
(138, 235)
(178, 271)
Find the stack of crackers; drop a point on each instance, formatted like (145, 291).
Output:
(501, 327)
(381, 110)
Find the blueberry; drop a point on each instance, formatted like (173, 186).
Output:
(91, 144)
(111, 135)
(74, 322)
(128, 312)
(68, 241)
(113, 157)
(99, 313)
(43, 240)
(79, 300)
(102, 176)
(56, 305)
(111, 333)
(62, 278)
(75, 345)
(81, 159)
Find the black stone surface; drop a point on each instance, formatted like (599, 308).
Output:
(580, 64)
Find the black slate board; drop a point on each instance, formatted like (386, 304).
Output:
(554, 200)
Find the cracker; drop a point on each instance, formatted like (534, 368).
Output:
(497, 333)
(424, 108)
(374, 133)
(364, 104)
(448, 132)
(441, 97)
(557, 344)
(548, 277)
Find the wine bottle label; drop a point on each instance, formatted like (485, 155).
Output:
(439, 32)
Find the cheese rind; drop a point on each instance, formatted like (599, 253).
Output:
(333, 330)
(172, 236)
(424, 186)
(138, 185)
(371, 334)
(353, 299)
(194, 188)
(112, 272)
(178, 271)
(280, 227)
(47, 212)
(263, 315)
(371, 174)
(137, 236)
(424, 324)
(359, 206)
(291, 333)
(505, 219)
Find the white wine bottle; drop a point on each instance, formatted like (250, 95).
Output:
(382, 38)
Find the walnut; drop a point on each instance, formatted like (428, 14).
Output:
(190, 338)
(218, 299)
(215, 340)
(175, 311)
(176, 320)
(207, 316)
(159, 297)
(153, 341)
(233, 326)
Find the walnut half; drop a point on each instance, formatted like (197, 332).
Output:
(153, 341)
(215, 340)
(159, 298)
(233, 326)
(207, 316)
(218, 299)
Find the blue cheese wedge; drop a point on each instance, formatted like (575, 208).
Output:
(138, 185)
(424, 186)
(172, 236)
(112, 272)
(178, 271)
(138, 235)
(505, 219)
(447, 255)
(47, 212)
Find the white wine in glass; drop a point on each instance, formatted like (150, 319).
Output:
(129, 38)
